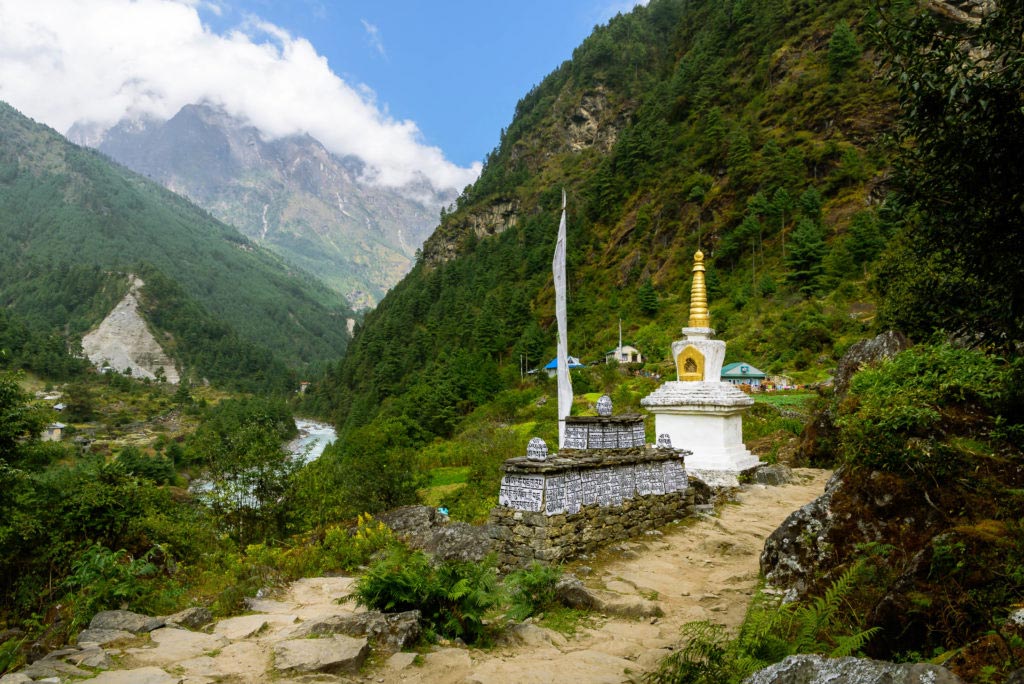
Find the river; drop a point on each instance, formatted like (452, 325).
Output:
(312, 440)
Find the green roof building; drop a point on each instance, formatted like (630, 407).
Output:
(742, 373)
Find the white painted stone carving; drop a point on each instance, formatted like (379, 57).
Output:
(604, 406)
(522, 492)
(537, 450)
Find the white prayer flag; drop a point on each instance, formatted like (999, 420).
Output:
(564, 382)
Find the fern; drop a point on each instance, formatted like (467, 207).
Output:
(768, 634)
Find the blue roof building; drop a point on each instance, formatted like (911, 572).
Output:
(742, 373)
(552, 367)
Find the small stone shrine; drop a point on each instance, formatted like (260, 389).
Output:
(698, 411)
(605, 485)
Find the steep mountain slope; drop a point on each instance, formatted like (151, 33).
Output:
(73, 225)
(289, 194)
(747, 127)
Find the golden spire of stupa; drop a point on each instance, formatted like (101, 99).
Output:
(699, 295)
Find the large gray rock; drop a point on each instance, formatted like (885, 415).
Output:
(126, 620)
(15, 678)
(794, 550)
(772, 474)
(141, 675)
(190, 618)
(41, 669)
(816, 669)
(866, 353)
(388, 631)
(571, 592)
(332, 655)
(104, 637)
(422, 527)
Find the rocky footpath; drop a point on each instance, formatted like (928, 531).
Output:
(639, 593)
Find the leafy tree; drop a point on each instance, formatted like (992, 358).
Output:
(959, 251)
(18, 420)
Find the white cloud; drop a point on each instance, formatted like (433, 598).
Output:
(373, 33)
(63, 61)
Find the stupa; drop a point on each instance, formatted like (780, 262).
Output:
(698, 411)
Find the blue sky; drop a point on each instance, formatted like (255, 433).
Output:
(456, 67)
(416, 89)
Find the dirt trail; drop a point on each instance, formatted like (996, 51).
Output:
(703, 568)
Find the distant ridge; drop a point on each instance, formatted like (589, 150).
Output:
(289, 194)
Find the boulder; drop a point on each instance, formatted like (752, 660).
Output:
(866, 353)
(332, 655)
(388, 631)
(141, 675)
(104, 637)
(42, 669)
(793, 551)
(570, 592)
(190, 618)
(15, 678)
(812, 669)
(774, 474)
(126, 620)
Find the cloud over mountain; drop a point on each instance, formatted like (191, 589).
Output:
(64, 61)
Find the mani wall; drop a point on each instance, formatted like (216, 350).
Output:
(554, 509)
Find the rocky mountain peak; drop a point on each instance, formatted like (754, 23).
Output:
(317, 209)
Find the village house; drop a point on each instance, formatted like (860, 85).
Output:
(624, 354)
(742, 373)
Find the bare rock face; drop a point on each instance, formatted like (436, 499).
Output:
(586, 126)
(812, 669)
(424, 528)
(794, 550)
(866, 353)
(123, 340)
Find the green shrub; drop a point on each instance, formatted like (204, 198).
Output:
(102, 579)
(452, 597)
(532, 590)
(769, 633)
(899, 416)
(344, 549)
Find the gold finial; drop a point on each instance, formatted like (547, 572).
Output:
(698, 295)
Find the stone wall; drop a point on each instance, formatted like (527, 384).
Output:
(621, 494)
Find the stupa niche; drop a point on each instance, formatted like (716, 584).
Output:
(698, 411)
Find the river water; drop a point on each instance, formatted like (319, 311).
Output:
(312, 440)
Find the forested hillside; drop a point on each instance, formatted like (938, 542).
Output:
(73, 225)
(746, 127)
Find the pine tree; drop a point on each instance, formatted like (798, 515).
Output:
(647, 299)
(843, 50)
(807, 247)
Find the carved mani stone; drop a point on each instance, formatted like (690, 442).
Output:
(664, 441)
(604, 406)
(537, 450)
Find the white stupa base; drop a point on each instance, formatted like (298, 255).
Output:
(705, 418)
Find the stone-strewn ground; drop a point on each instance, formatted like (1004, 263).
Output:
(704, 568)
